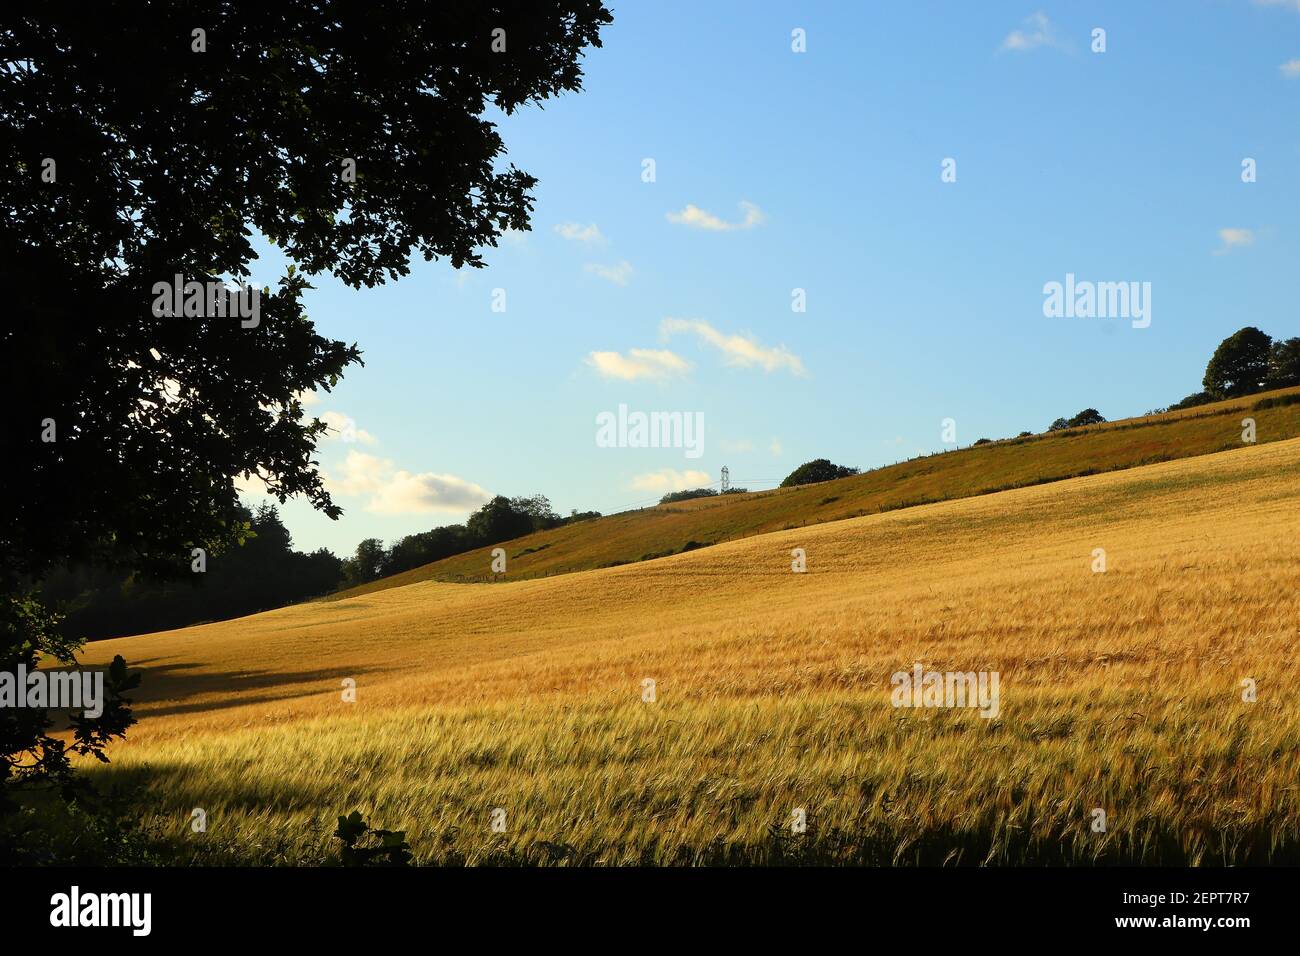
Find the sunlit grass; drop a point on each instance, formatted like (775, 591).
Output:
(1119, 691)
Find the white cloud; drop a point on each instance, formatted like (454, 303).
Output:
(697, 218)
(639, 363)
(577, 232)
(617, 274)
(1038, 32)
(1291, 69)
(344, 428)
(669, 479)
(308, 398)
(1234, 239)
(740, 350)
(395, 491)
(362, 474)
(405, 493)
(1293, 4)
(776, 449)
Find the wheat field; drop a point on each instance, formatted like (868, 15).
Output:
(1121, 692)
(657, 531)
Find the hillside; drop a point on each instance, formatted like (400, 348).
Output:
(670, 529)
(1120, 690)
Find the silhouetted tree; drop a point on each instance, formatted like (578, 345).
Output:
(1240, 364)
(1193, 400)
(819, 469)
(1284, 363)
(366, 565)
(686, 495)
(265, 572)
(498, 521)
(538, 508)
(125, 425)
(1089, 416)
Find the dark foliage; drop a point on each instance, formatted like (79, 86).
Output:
(1089, 416)
(391, 848)
(819, 469)
(262, 573)
(1284, 364)
(501, 519)
(687, 495)
(1240, 365)
(135, 152)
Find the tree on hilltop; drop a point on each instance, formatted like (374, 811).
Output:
(1240, 365)
(819, 469)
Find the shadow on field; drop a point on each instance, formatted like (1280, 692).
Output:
(166, 688)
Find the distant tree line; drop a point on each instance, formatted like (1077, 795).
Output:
(264, 572)
(501, 519)
(690, 493)
(1247, 361)
(1089, 416)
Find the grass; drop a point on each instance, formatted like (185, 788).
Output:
(656, 532)
(1120, 691)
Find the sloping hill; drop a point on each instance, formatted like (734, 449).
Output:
(772, 692)
(670, 529)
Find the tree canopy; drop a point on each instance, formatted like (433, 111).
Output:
(144, 148)
(1284, 363)
(1240, 364)
(819, 469)
(351, 136)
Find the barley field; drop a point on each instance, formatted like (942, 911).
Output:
(1120, 691)
(657, 531)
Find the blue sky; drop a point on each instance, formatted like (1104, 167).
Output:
(820, 170)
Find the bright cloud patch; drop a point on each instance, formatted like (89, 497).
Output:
(739, 350)
(405, 493)
(669, 479)
(394, 491)
(362, 473)
(1234, 239)
(1038, 32)
(638, 363)
(1291, 69)
(697, 218)
(577, 232)
(617, 274)
(343, 428)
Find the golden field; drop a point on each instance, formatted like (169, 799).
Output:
(1119, 690)
(654, 532)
